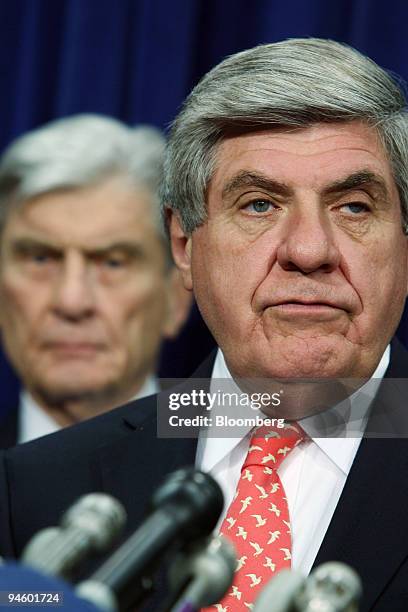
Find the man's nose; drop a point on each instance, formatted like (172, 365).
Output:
(308, 242)
(74, 291)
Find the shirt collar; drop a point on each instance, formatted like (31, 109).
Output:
(149, 387)
(33, 422)
(341, 449)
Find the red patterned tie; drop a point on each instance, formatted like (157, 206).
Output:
(257, 522)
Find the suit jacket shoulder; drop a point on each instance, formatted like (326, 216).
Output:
(117, 453)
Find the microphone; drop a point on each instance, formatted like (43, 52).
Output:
(90, 525)
(279, 594)
(208, 571)
(185, 508)
(331, 587)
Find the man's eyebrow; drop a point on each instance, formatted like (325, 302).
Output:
(356, 180)
(255, 179)
(360, 179)
(26, 244)
(133, 249)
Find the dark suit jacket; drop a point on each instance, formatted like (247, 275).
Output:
(8, 429)
(119, 453)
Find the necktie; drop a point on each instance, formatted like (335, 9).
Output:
(257, 522)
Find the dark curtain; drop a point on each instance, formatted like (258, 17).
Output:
(138, 59)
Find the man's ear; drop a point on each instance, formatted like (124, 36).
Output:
(179, 301)
(181, 248)
(406, 262)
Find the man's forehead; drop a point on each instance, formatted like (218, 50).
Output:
(312, 133)
(324, 147)
(70, 217)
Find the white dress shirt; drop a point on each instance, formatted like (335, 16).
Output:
(34, 422)
(313, 475)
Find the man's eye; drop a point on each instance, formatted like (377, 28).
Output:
(40, 257)
(259, 206)
(114, 262)
(355, 207)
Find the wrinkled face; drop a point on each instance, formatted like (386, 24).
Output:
(83, 290)
(301, 268)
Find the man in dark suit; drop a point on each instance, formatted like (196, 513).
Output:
(286, 197)
(87, 285)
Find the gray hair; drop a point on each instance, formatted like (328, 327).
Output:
(77, 152)
(293, 84)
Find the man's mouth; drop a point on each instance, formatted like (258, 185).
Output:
(309, 303)
(74, 348)
(307, 308)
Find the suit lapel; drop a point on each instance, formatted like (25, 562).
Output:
(363, 530)
(136, 464)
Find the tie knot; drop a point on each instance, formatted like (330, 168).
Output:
(270, 445)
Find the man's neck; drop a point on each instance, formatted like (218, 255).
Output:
(300, 399)
(74, 410)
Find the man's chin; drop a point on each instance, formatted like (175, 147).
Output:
(75, 388)
(294, 367)
(293, 357)
(300, 371)
(64, 393)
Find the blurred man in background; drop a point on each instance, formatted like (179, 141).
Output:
(87, 287)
